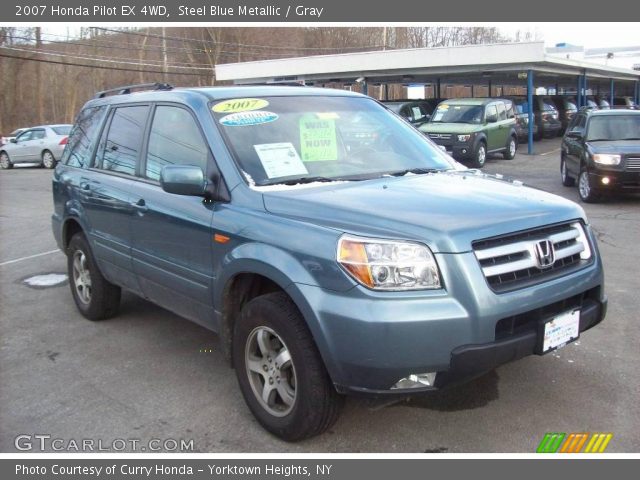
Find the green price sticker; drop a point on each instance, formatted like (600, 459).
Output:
(318, 139)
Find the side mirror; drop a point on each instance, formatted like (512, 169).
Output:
(183, 180)
(576, 132)
(492, 119)
(14, 140)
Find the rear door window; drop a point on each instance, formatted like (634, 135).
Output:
(120, 148)
(502, 112)
(83, 137)
(175, 139)
(38, 134)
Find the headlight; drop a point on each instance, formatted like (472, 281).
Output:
(464, 138)
(389, 265)
(606, 159)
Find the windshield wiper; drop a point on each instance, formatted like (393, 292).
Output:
(415, 171)
(631, 138)
(601, 140)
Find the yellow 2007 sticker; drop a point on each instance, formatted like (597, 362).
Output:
(236, 105)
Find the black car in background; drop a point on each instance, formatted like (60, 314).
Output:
(624, 102)
(521, 111)
(601, 151)
(416, 112)
(545, 114)
(567, 109)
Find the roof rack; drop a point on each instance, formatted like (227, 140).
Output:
(126, 89)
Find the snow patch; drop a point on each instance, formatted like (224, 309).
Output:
(46, 280)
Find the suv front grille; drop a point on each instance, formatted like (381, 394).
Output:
(511, 261)
(440, 136)
(633, 164)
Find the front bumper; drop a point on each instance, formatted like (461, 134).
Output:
(370, 340)
(619, 181)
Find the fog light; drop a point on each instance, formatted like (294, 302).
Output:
(416, 381)
(605, 180)
(464, 150)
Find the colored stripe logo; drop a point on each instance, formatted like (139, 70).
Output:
(574, 443)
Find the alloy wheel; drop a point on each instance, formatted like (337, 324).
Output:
(271, 372)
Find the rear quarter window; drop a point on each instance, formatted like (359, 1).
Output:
(83, 137)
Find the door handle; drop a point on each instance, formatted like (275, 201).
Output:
(140, 206)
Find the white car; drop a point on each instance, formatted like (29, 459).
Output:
(43, 144)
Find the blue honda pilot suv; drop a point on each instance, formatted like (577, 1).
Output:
(333, 248)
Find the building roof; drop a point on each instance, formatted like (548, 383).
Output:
(503, 63)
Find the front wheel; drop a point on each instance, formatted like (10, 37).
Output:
(479, 156)
(585, 188)
(280, 371)
(95, 297)
(5, 162)
(48, 160)
(512, 147)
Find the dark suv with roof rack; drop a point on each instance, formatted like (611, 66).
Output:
(328, 265)
(601, 150)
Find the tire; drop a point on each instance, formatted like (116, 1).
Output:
(479, 155)
(585, 188)
(95, 297)
(567, 180)
(312, 404)
(5, 162)
(48, 160)
(512, 147)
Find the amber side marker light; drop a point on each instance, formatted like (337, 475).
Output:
(219, 238)
(354, 258)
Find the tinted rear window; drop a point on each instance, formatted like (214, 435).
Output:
(62, 129)
(83, 137)
(119, 151)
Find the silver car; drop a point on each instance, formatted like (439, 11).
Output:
(43, 144)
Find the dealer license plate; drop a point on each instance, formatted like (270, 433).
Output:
(561, 330)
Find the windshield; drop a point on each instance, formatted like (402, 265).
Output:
(62, 129)
(610, 127)
(300, 139)
(446, 113)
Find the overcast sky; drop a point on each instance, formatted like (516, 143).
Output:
(590, 35)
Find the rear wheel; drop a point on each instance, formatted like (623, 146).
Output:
(567, 180)
(5, 162)
(512, 147)
(280, 371)
(95, 297)
(479, 155)
(48, 160)
(585, 188)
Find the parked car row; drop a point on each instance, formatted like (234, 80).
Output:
(43, 144)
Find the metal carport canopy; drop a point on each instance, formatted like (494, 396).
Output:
(422, 65)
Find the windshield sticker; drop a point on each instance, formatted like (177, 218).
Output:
(318, 139)
(242, 119)
(236, 105)
(280, 160)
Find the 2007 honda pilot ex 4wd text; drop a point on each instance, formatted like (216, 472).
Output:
(333, 248)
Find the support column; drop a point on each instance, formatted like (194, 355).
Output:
(612, 90)
(438, 89)
(530, 111)
(579, 92)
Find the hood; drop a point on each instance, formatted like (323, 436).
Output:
(457, 128)
(447, 210)
(623, 147)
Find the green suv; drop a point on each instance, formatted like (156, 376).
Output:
(470, 128)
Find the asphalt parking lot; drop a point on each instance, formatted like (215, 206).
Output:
(149, 374)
